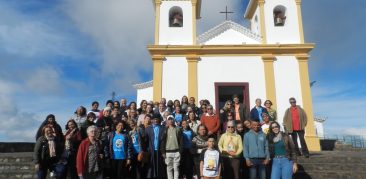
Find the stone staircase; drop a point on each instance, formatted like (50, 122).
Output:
(323, 165)
(16, 165)
(333, 165)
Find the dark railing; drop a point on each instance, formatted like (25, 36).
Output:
(354, 140)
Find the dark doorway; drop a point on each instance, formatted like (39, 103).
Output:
(225, 91)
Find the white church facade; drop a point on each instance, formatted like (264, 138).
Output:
(268, 60)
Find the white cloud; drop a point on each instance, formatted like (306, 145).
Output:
(44, 80)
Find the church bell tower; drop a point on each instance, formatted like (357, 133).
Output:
(277, 21)
(175, 21)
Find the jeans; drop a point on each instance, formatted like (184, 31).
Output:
(258, 168)
(281, 168)
(57, 169)
(172, 162)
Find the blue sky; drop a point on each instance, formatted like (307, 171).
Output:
(57, 55)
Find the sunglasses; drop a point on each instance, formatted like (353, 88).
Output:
(292, 101)
(230, 127)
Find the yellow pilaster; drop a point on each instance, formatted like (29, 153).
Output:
(299, 16)
(157, 20)
(310, 136)
(194, 23)
(157, 77)
(270, 78)
(262, 19)
(192, 76)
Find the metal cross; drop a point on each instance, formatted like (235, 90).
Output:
(227, 12)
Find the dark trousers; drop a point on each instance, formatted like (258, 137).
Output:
(186, 167)
(304, 147)
(138, 170)
(119, 169)
(231, 168)
(197, 161)
(58, 170)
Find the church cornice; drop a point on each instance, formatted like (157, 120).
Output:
(230, 50)
(143, 85)
(216, 31)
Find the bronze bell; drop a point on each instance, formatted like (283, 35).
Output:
(177, 22)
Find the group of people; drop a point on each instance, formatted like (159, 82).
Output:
(172, 139)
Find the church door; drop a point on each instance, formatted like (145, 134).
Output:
(225, 91)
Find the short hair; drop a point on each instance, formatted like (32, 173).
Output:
(258, 99)
(90, 128)
(235, 96)
(211, 137)
(232, 122)
(268, 101)
(91, 114)
(292, 98)
(95, 102)
(209, 105)
(109, 101)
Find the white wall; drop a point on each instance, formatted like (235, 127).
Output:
(231, 36)
(144, 94)
(319, 129)
(287, 78)
(231, 69)
(255, 26)
(176, 35)
(175, 78)
(282, 34)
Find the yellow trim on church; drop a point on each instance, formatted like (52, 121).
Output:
(192, 76)
(229, 50)
(157, 20)
(270, 78)
(157, 77)
(263, 21)
(310, 135)
(299, 16)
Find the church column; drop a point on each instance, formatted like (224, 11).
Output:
(157, 77)
(310, 136)
(157, 20)
(270, 78)
(262, 19)
(192, 76)
(299, 16)
(194, 23)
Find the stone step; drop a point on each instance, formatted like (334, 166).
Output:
(20, 175)
(28, 166)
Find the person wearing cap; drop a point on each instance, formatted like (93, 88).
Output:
(172, 147)
(154, 138)
(105, 126)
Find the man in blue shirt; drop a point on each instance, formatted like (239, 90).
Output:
(256, 151)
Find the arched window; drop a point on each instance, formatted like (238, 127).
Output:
(175, 17)
(279, 15)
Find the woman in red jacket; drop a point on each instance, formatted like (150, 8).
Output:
(89, 157)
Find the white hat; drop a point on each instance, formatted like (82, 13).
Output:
(170, 116)
(107, 108)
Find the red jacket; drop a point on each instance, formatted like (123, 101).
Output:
(82, 156)
(211, 122)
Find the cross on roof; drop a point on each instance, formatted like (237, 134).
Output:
(227, 12)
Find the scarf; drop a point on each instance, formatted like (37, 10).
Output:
(277, 138)
(51, 146)
(68, 142)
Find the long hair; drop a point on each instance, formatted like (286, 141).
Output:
(271, 134)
